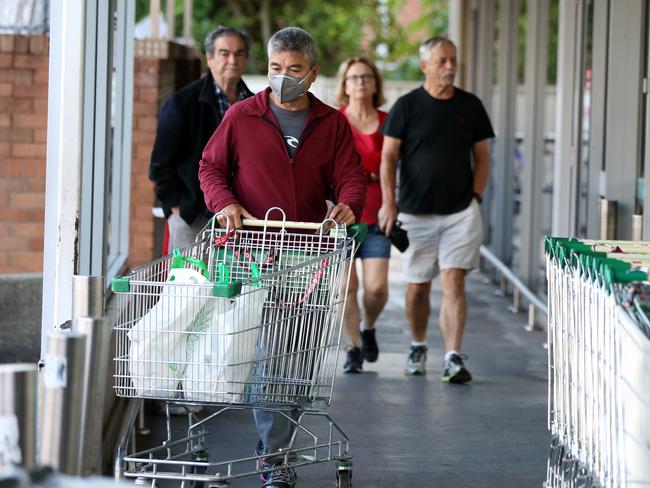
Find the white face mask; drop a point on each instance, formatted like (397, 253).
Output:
(287, 88)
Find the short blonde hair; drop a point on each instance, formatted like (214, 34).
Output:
(342, 99)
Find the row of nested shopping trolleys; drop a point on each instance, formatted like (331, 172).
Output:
(599, 363)
(240, 319)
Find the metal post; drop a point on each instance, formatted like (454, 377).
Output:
(98, 337)
(637, 227)
(18, 383)
(187, 22)
(60, 434)
(87, 307)
(126, 428)
(171, 28)
(87, 296)
(503, 286)
(531, 326)
(608, 212)
(154, 18)
(516, 300)
(142, 427)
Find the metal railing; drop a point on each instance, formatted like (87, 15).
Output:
(519, 289)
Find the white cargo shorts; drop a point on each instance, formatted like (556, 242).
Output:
(441, 242)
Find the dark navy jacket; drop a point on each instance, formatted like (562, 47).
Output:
(186, 122)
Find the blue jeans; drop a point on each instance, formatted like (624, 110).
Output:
(274, 429)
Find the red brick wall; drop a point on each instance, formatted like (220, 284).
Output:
(23, 125)
(23, 130)
(146, 102)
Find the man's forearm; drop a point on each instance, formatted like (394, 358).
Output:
(481, 173)
(481, 154)
(388, 178)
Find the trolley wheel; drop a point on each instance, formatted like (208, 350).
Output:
(344, 478)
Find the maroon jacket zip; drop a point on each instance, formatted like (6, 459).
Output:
(246, 161)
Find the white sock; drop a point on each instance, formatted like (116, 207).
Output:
(449, 353)
(362, 326)
(418, 343)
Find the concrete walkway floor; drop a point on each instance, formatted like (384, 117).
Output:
(418, 432)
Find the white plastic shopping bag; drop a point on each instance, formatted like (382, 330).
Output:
(158, 349)
(221, 354)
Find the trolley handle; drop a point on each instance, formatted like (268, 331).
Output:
(283, 224)
(357, 231)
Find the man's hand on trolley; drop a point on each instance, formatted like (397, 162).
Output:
(235, 213)
(386, 218)
(342, 214)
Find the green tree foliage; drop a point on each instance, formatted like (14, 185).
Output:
(341, 28)
(401, 61)
(552, 46)
(344, 28)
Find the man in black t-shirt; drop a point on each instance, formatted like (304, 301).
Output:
(437, 131)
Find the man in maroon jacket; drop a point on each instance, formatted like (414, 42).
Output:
(283, 148)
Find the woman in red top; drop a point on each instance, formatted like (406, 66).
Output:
(359, 95)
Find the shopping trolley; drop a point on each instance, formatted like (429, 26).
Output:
(240, 319)
(599, 358)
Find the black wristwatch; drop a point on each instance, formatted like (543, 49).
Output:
(478, 197)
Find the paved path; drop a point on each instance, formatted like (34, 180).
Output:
(418, 432)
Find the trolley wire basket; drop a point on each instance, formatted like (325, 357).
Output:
(239, 319)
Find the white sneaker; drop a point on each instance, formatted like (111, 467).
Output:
(417, 361)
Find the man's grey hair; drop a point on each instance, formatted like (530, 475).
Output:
(293, 39)
(222, 31)
(435, 41)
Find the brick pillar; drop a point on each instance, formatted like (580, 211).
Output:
(160, 68)
(23, 126)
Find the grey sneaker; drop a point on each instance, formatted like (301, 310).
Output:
(417, 361)
(281, 478)
(455, 371)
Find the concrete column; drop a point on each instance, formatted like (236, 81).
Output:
(533, 171)
(502, 167)
(565, 171)
(154, 18)
(187, 23)
(170, 19)
(623, 150)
